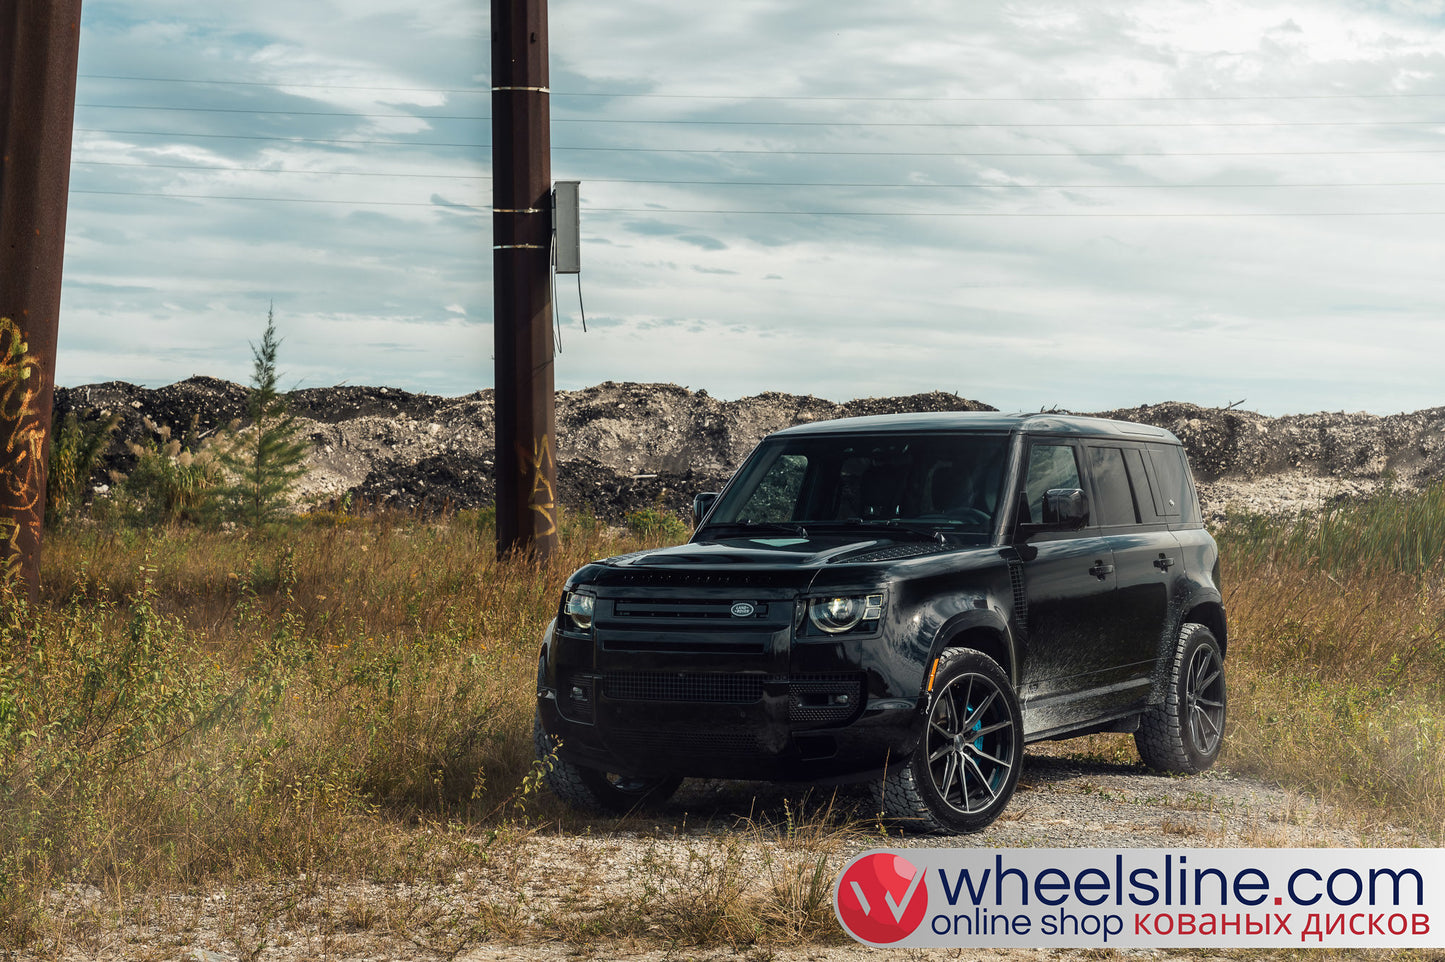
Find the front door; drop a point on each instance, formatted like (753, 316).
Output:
(1066, 667)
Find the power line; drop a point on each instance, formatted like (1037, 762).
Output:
(1005, 100)
(1003, 153)
(284, 140)
(283, 112)
(964, 124)
(777, 151)
(772, 98)
(872, 185)
(282, 84)
(1093, 214)
(996, 186)
(459, 208)
(274, 170)
(689, 122)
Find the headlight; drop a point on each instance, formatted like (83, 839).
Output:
(837, 615)
(579, 608)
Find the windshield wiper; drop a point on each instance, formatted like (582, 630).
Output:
(778, 527)
(895, 527)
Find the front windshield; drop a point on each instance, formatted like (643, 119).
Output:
(952, 483)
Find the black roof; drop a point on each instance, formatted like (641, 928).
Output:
(985, 422)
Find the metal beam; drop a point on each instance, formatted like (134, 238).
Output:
(39, 49)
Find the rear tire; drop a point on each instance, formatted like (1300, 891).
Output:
(1185, 733)
(966, 765)
(596, 791)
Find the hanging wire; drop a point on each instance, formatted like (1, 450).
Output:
(580, 306)
(556, 318)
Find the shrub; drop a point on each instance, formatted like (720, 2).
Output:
(267, 457)
(75, 449)
(657, 523)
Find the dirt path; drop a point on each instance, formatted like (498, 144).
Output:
(652, 889)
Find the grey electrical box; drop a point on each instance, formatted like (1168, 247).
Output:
(567, 223)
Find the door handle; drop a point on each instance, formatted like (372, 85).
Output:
(1163, 562)
(1101, 570)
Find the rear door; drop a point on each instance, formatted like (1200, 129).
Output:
(1146, 558)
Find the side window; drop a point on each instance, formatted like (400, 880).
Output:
(1050, 466)
(776, 496)
(1143, 491)
(1170, 494)
(1114, 501)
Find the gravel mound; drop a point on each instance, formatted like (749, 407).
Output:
(625, 446)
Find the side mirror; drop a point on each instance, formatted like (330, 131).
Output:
(701, 505)
(1066, 508)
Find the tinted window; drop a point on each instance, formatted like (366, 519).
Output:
(1171, 494)
(954, 481)
(1050, 466)
(776, 497)
(1113, 497)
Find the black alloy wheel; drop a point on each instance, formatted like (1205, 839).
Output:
(967, 763)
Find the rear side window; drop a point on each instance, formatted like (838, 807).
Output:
(1174, 493)
(1113, 497)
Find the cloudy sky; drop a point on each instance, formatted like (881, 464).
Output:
(1083, 204)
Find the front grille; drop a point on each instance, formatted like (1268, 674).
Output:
(824, 698)
(715, 741)
(813, 699)
(730, 689)
(691, 609)
(745, 623)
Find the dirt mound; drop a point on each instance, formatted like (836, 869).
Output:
(626, 446)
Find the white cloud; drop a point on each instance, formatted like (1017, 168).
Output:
(962, 197)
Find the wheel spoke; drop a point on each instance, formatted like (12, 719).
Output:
(1201, 685)
(1208, 703)
(978, 773)
(950, 768)
(940, 753)
(979, 710)
(990, 729)
(1001, 763)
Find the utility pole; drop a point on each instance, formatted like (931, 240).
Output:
(39, 50)
(525, 410)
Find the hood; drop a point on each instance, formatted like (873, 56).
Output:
(778, 552)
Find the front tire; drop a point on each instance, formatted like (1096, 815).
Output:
(595, 791)
(1185, 733)
(966, 765)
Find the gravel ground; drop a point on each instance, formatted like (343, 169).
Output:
(527, 885)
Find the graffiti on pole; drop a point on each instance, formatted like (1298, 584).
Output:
(543, 498)
(23, 434)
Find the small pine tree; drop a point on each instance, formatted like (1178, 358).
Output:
(266, 457)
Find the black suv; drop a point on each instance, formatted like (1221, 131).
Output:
(905, 599)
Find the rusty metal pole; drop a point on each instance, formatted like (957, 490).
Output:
(522, 295)
(39, 50)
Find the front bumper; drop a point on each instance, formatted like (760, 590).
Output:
(658, 688)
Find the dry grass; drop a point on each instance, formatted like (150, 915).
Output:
(352, 702)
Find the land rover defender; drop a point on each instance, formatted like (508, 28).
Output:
(906, 599)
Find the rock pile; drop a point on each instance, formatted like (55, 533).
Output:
(626, 446)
